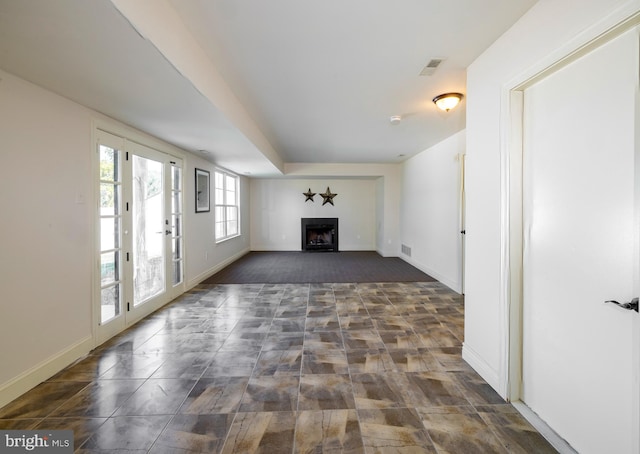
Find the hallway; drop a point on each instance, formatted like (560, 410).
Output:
(282, 368)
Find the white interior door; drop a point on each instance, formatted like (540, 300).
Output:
(580, 363)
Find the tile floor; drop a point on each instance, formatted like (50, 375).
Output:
(288, 368)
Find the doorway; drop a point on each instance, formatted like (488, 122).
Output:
(139, 232)
(574, 358)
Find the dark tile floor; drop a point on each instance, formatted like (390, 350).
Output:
(286, 368)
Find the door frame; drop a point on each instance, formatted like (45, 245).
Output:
(129, 136)
(513, 229)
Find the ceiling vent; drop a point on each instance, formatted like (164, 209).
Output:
(431, 67)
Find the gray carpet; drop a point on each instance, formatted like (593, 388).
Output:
(317, 267)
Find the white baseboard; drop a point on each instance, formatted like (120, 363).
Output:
(547, 432)
(386, 253)
(452, 284)
(44, 370)
(485, 370)
(341, 248)
(210, 272)
(272, 248)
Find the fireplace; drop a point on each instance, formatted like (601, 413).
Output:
(320, 234)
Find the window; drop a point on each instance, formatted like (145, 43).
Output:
(227, 205)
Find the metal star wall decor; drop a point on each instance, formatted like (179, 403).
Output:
(328, 196)
(309, 195)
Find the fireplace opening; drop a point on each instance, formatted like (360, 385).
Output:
(320, 234)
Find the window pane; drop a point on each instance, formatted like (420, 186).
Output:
(177, 272)
(176, 225)
(176, 189)
(219, 196)
(230, 188)
(219, 180)
(230, 183)
(232, 214)
(232, 228)
(108, 164)
(110, 303)
(109, 194)
(176, 178)
(230, 197)
(109, 233)
(176, 202)
(109, 272)
(220, 230)
(176, 248)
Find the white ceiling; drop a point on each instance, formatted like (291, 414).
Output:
(257, 83)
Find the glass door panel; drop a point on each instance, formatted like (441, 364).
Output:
(149, 229)
(110, 215)
(177, 267)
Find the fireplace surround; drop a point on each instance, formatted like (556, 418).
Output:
(319, 234)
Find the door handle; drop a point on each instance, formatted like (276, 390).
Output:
(631, 305)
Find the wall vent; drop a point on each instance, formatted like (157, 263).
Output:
(406, 250)
(431, 67)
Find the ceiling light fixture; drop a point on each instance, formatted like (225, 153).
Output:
(395, 119)
(447, 101)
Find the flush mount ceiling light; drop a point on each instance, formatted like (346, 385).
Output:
(447, 101)
(395, 119)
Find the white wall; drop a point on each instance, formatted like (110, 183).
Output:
(277, 205)
(430, 211)
(46, 243)
(47, 227)
(204, 256)
(388, 192)
(548, 32)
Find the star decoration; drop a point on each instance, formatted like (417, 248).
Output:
(328, 196)
(309, 195)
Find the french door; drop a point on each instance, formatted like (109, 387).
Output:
(140, 232)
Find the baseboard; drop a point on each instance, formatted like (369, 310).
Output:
(485, 370)
(547, 432)
(210, 272)
(453, 285)
(341, 248)
(43, 371)
(383, 253)
(272, 248)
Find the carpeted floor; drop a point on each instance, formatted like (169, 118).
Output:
(317, 267)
